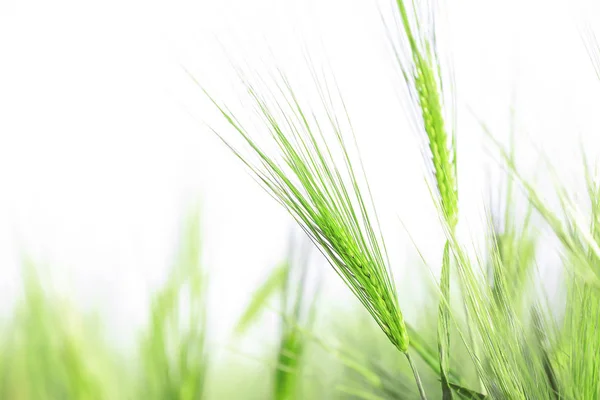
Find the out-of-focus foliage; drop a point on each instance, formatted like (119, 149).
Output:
(173, 349)
(512, 344)
(51, 351)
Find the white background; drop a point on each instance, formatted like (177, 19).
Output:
(103, 146)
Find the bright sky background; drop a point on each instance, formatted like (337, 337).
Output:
(103, 149)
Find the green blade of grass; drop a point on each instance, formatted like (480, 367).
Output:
(172, 351)
(271, 285)
(444, 325)
(467, 393)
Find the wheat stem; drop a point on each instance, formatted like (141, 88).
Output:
(444, 323)
(417, 377)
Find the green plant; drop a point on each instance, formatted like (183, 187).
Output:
(173, 348)
(504, 335)
(304, 161)
(50, 350)
(326, 198)
(419, 61)
(298, 308)
(311, 174)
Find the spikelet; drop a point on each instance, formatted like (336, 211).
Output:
(441, 155)
(418, 60)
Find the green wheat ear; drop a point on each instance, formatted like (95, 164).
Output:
(421, 68)
(309, 171)
(420, 65)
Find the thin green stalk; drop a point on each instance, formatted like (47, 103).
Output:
(413, 367)
(443, 331)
